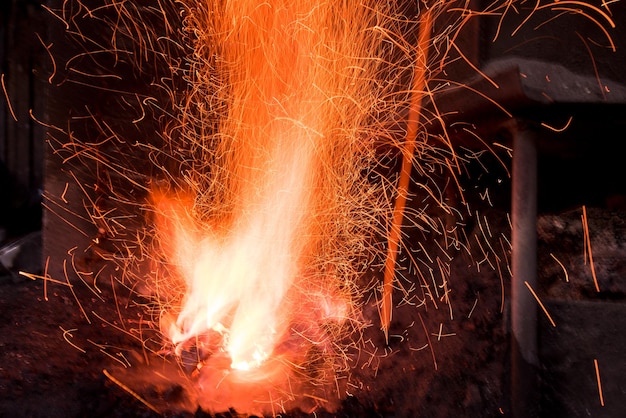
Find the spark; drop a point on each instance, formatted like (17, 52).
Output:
(595, 363)
(6, 96)
(54, 64)
(440, 334)
(118, 357)
(419, 348)
(50, 209)
(593, 64)
(68, 333)
(81, 274)
(118, 328)
(479, 93)
(53, 13)
(64, 192)
(474, 67)
(130, 391)
(562, 129)
(562, 266)
(543, 308)
(527, 18)
(559, 5)
(469, 315)
(117, 306)
(587, 247)
(45, 280)
(111, 356)
(430, 345)
(509, 150)
(80, 305)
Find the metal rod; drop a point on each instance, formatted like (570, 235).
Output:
(524, 344)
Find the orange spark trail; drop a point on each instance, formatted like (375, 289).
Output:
(595, 363)
(587, 247)
(415, 111)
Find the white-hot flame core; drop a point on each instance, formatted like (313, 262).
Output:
(237, 284)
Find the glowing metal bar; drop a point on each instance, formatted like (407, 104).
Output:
(415, 112)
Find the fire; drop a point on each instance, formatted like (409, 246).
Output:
(253, 239)
(265, 202)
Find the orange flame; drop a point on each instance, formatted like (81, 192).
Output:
(249, 311)
(251, 243)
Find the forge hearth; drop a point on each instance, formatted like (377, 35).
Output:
(71, 348)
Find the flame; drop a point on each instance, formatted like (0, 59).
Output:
(237, 281)
(249, 312)
(251, 243)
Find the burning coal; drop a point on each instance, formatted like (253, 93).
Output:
(253, 214)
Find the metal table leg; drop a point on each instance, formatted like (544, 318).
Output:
(524, 344)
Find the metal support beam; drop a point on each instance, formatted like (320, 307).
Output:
(524, 344)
